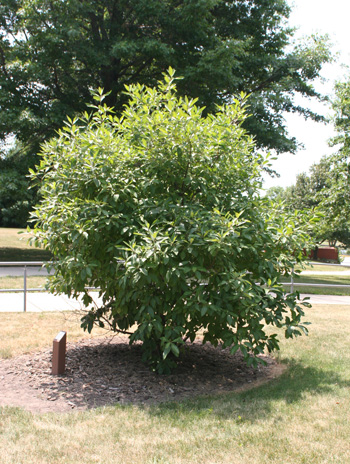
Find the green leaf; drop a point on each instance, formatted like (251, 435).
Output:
(175, 350)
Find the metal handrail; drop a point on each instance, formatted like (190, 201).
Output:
(23, 264)
(26, 264)
(314, 285)
(19, 290)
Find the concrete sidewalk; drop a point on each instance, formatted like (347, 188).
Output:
(41, 302)
(327, 299)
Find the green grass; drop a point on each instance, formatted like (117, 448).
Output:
(322, 290)
(15, 247)
(301, 417)
(322, 279)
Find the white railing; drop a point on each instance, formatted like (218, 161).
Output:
(299, 284)
(26, 264)
(25, 289)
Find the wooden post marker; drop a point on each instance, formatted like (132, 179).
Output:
(59, 354)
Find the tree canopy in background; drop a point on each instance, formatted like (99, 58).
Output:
(16, 198)
(160, 210)
(327, 186)
(338, 198)
(326, 190)
(52, 53)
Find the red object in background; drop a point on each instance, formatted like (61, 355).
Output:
(326, 253)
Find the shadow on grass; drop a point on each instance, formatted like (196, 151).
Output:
(256, 403)
(24, 254)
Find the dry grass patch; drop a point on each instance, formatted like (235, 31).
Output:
(26, 332)
(324, 268)
(10, 282)
(12, 238)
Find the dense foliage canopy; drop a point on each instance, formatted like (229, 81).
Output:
(160, 209)
(338, 197)
(16, 196)
(53, 52)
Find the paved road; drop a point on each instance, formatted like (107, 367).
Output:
(328, 299)
(15, 271)
(41, 302)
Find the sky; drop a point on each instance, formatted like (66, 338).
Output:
(324, 17)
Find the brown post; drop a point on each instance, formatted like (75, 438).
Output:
(59, 354)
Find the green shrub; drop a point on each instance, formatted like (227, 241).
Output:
(160, 209)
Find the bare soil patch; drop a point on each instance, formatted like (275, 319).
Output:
(107, 371)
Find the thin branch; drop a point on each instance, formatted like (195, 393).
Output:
(57, 85)
(124, 332)
(3, 62)
(131, 64)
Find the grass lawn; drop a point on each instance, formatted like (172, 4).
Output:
(15, 247)
(300, 417)
(322, 290)
(322, 279)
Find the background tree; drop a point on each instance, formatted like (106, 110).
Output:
(300, 194)
(337, 198)
(305, 193)
(276, 194)
(321, 190)
(160, 210)
(53, 52)
(16, 198)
